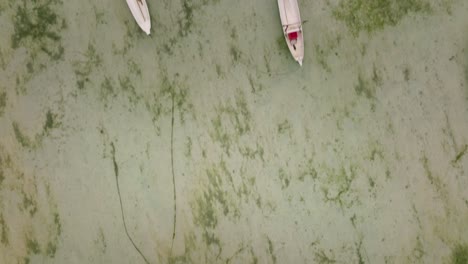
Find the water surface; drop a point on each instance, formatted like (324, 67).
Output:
(205, 142)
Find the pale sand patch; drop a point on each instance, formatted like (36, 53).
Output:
(358, 156)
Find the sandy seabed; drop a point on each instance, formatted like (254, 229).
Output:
(205, 142)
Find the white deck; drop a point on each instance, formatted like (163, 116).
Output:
(140, 12)
(291, 22)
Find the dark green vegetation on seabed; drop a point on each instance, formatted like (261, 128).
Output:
(20, 137)
(3, 235)
(465, 68)
(37, 27)
(84, 67)
(460, 254)
(372, 15)
(50, 123)
(248, 167)
(3, 100)
(35, 203)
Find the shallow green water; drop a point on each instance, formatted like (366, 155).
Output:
(205, 142)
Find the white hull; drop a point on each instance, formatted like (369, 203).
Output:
(140, 12)
(292, 28)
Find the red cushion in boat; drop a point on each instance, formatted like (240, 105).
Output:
(292, 35)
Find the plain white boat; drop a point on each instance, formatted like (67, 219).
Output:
(292, 28)
(140, 12)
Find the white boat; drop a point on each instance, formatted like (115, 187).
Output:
(292, 28)
(140, 12)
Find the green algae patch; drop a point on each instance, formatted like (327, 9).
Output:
(358, 252)
(232, 121)
(284, 127)
(172, 97)
(271, 250)
(33, 246)
(58, 225)
(364, 88)
(186, 21)
(190, 245)
(222, 196)
(20, 137)
(50, 122)
(100, 241)
(252, 153)
(84, 68)
(127, 86)
(29, 204)
(284, 178)
(322, 258)
(308, 170)
(430, 176)
(2, 177)
(175, 90)
(187, 14)
(43, 239)
(460, 154)
(321, 56)
(56, 231)
(374, 15)
(36, 141)
(235, 53)
(107, 90)
(460, 254)
(336, 187)
(188, 148)
(205, 212)
(3, 100)
(37, 27)
(282, 47)
(465, 71)
(4, 231)
(51, 249)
